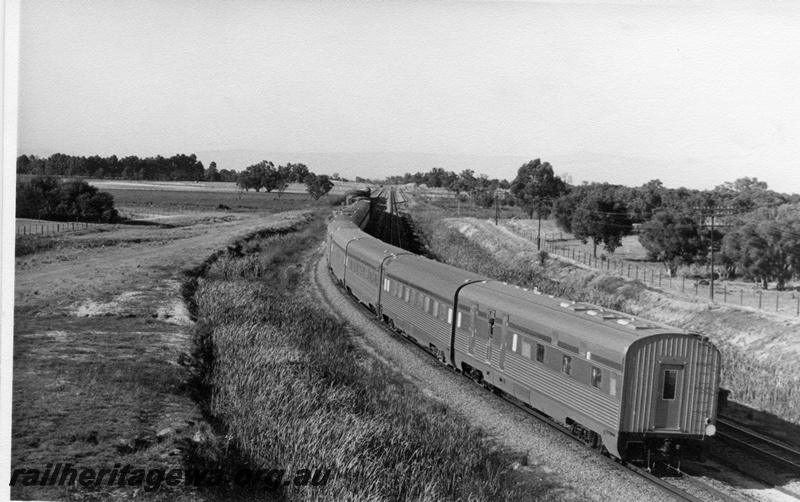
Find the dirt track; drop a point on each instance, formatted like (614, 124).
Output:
(99, 328)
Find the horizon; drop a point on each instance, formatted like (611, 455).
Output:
(340, 163)
(624, 93)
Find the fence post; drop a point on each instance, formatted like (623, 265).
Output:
(777, 297)
(683, 285)
(760, 296)
(696, 286)
(741, 297)
(629, 270)
(724, 292)
(637, 272)
(659, 278)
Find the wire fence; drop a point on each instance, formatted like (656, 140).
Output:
(52, 228)
(128, 211)
(745, 295)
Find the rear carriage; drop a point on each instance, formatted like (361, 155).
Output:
(642, 390)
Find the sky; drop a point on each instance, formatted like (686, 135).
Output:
(691, 93)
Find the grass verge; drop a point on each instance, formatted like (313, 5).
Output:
(448, 245)
(288, 389)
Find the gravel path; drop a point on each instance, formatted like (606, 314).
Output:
(550, 456)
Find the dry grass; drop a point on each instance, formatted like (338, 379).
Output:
(289, 389)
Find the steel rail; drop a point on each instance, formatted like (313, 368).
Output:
(739, 430)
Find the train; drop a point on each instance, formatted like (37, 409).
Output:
(641, 391)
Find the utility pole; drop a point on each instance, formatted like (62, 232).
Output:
(539, 231)
(496, 208)
(713, 212)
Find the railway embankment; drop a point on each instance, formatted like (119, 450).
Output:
(762, 367)
(287, 389)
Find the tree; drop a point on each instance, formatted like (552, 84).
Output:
(298, 173)
(673, 238)
(766, 250)
(51, 199)
(212, 174)
(318, 185)
(536, 187)
(602, 218)
(270, 177)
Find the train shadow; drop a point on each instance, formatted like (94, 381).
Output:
(724, 458)
(397, 230)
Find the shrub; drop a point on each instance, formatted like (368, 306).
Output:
(49, 198)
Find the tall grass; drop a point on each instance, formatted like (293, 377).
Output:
(289, 389)
(448, 245)
(761, 384)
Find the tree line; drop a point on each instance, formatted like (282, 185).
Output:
(264, 175)
(179, 167)
(756, 233)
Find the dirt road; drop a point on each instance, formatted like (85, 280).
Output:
(99, 328)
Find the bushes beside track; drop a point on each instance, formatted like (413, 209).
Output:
(287, 388)
(448, 245)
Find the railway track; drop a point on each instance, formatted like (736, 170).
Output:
(677, 484)
(738, 448)
(770, 449)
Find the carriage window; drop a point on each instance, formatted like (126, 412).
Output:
(597, 377)
(526, 349)
(386, 284)
(427, 304)
(514, 343)
(435, 308)
(612, 389)
(566, 365)
(449, 316)
(419, 300)
(458, 320)
(408, 293)
(540, 352)
(670, 377)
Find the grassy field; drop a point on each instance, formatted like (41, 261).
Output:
(289, 388)
(187, 201)
(99, 330)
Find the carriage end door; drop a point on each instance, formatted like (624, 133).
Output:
(668, 398)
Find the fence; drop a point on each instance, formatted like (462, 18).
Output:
(52, 228)
(783, 302)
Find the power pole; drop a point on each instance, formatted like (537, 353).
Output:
(539, 231)
(496, 208)
(713, 212)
